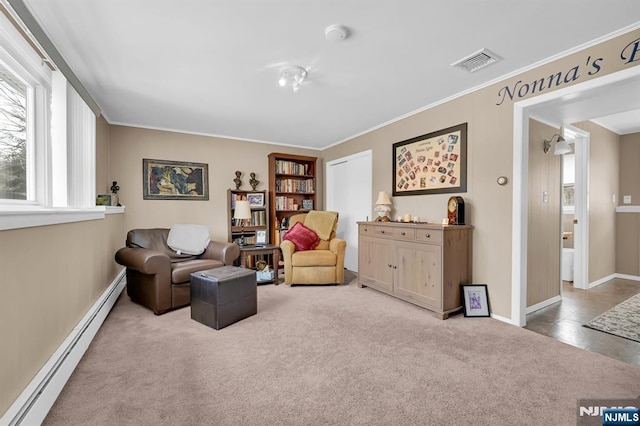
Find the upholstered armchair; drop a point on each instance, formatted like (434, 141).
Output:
(311, 252)
(158, 276)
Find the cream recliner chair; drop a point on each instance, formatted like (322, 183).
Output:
(323, 264)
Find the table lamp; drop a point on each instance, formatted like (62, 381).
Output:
(383, 207)
(241, 213)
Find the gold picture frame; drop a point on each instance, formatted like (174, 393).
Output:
(174, 180)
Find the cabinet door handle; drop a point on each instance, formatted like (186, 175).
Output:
(402, 233)
(395, 267)
(389, 265)
(382, 232)
(428, 235)
(366, 229)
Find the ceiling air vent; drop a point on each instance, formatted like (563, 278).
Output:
(477, 60)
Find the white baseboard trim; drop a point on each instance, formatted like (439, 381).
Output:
(504, 319)
(628, 277)
(603, 280)
(33, 404)
(543, 304)
(612, 276)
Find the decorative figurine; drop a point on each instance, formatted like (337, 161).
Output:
(237, 179)
(114, 189)
(253, 181)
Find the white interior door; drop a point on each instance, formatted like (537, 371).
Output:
(349, 183)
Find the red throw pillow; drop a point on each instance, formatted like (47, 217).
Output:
(302, 237)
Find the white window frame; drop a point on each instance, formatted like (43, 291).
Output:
(39, 209)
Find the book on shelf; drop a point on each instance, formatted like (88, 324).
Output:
(258, 218)
(235, 197)
(295, 185)
(291, 168)
(248, 239)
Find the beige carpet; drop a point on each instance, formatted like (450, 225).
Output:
(336, 355)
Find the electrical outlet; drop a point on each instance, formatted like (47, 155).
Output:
(626, 199)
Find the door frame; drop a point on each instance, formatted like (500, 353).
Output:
(522, 111)
(365, 183)
(581, 214)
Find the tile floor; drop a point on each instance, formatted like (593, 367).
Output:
(564, 320)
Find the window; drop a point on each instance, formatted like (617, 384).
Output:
(47, 141)
(13, 136)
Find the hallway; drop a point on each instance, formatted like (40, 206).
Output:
(564, 320)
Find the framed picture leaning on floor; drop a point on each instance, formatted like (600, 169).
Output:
(475, 300)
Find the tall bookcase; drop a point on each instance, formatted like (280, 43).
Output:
(292, 189)
(259, 215)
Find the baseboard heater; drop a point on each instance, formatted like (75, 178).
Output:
(38, 397)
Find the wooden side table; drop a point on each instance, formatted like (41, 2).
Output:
(269, 249)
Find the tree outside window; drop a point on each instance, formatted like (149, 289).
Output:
(13, 138)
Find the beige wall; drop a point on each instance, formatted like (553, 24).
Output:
(629, 168)
(128, 146)
(51, 276)
(628, 224)
(544, 231)
(604, 149)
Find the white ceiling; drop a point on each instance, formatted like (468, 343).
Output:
(212, 67)
(614, 106)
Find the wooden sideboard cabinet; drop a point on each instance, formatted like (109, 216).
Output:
(418, 262)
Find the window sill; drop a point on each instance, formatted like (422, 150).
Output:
(16, 217)
(114, 210)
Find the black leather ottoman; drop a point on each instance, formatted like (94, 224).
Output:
(222, 296)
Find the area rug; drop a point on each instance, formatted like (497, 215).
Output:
(622, 320)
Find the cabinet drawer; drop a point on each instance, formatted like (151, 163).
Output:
(376, 231)
(406, 234)
(429, 235)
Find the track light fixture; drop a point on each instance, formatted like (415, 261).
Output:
(562, 146)
(294, 75)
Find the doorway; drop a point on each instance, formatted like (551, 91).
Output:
(349, 187)
(603, 96)
(581, 141)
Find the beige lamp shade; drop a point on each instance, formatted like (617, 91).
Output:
(242, 210)
(383, 207)
(383, 198)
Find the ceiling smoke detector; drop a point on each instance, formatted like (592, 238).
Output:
(477, 60)
(336, 33)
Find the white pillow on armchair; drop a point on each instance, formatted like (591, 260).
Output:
(188, 239)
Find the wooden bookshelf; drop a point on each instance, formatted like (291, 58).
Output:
(259, 216)
(292, 189)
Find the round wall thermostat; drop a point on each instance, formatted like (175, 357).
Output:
(502, 180)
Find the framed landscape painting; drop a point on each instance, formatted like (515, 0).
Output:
(435, 163)
(174, 180)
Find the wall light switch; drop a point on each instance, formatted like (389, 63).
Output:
(545, 197)
(614, 198)
(626, 199)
